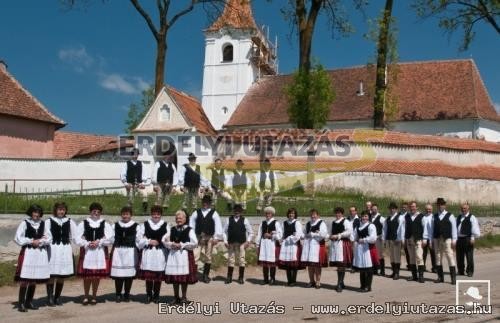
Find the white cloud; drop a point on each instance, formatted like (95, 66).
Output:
(122, 84)
(497, 106)
(77, 57)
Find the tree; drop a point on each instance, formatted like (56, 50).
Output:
(310, 96)
(138, 110)
(461, 14)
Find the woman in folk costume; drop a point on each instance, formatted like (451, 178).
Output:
(124, 254)
(154, 254)
(290, 250)
(181, 268)
(33, 262)
(94, 235)
(268, 237)
(341, 246)
(63, 231)
(366, 257)
(314, 251)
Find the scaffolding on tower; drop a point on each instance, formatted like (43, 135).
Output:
(264, 53)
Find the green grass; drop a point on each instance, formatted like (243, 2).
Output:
(7, 271)
(488, 241)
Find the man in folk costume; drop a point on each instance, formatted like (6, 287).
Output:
(403, 212)
(340, 246)
(428, 247)
(366, 257)
(124, 254)
(190, 181)
(63, 231)
(33, 263)
(416, 235)
(135, 179)
(218, 184)
(267, 184)
(164, 178)
(369, 205)
(291, 249)
(378, 221)
(268, 237)
(238, 234)
(207, 225)
(443, 230)
(394, 234)
(240, 185)
(468, 231)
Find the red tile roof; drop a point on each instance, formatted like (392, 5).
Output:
(423, 91)
(237, 14)
(70, 144)
(15, 100)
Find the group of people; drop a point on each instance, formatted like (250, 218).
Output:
(157, 252)
(232, 186)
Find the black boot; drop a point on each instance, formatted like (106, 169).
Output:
(229, 278)
(396, 272)
(369, 279)
(265, 272)
(241, 276)
(421, 270)
(362, 280)
(340, 281)
(57, 293)
(29, 298)
(393, 267)
(288, 277)
(453, 274)
(50, 295)
(294, 277)
(118, 289)
(128, 287)
(382, 267)
(440, 278)
(272, 271)
(206, 273)
(22, 299)
(149, 291)
(156, 292)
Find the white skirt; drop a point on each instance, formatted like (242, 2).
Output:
(177, 263)
(362, 257)
(310, 251)
(267, 250)
(154, 259)
(123, 262)
(61, 260)
(336, 253)
(288, 251)
(35, 264)
(94, 258)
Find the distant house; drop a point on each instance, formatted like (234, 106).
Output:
(27, 127)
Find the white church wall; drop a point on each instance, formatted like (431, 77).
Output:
(489, 130)
(462, 128)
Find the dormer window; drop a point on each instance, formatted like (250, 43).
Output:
(225, 110)
(165, 113)
(227, 53)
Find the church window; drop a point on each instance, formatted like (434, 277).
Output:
(227, 53)
(224, 110)
(165, 113)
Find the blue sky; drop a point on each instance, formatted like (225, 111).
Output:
(88, 65)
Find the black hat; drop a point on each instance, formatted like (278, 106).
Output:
(191, 156)
(238, 207)
(440, 201)
(239, 161)
(392, 205)
(206, 199)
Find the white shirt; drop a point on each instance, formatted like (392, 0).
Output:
(60, 222)
(218, 175)
(104, 241)
(154, 174)
(400, 234)
(299, 232)
(182, 175)
(143, 240)
(123, 175)
(277, 235)
(430, 226)
(372, 233)
(475, 231)
(130, 223)
(347, 233)
(240, 172)
(218, 234)
(322, 234)
(248, 227)
(382, 221)
(22, 240)
(267, 182)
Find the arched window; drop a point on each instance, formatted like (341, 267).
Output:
(224, 110)
(165, 113)
(227, 53)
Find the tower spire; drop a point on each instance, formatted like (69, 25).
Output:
(237, 14)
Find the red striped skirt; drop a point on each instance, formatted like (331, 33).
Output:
(323, 258)
(346, 253)
(293, 264)
(190, 278)
(17, 275)
(374, 255)
(93, 273)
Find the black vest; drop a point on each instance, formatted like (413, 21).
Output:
(466, 227)
(92, 234)
(125, 237)
(262, 182)
(240, 181)
(192, 178)
(178, 236)
(155, 234)
(236, 231)
(217, 180)
(392, 228)
(356, 223)
(268, 228)
(60, 233)
(33, 233)
(205, 224)
(338, 228)
(442, 228)
(288, 229)
(134, 172)
(363, 233)
(314, 228)
(378, 225)
(165, 173)
(414, 229)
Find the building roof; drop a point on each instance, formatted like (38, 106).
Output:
(432, 90)
(70, 144)
(237, 14)
(16, 101)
